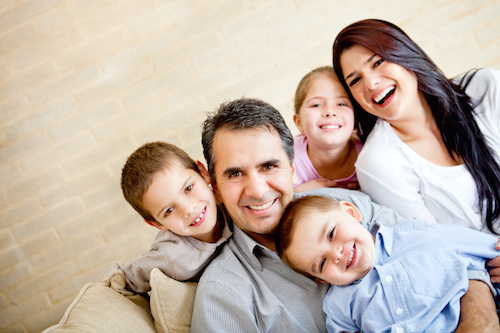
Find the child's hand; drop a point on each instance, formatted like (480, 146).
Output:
(495, 264)
(353, 186)
(313, 184)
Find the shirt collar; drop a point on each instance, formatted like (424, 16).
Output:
(250, 248)
(383, 237)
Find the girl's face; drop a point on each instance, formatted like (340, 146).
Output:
(382, 88)
(326, 115)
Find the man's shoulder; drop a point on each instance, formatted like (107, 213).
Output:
(225, 268)
(334, 193)
(360, 199)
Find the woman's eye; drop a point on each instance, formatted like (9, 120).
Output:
(188, 189)
(317, 105)
(378, 62)
(353, 82)
(342, 104)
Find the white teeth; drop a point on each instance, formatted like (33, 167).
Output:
(330, 127)
(200, 216)
(349, 261)
(384, 93)
(264, 206)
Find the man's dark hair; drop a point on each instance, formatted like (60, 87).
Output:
(240, 114)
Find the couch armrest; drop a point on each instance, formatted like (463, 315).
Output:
(100, 308)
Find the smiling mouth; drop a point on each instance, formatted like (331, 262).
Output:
(198, 219)
(328, 127)
(349, 261)
(262, 207)
(384, 95)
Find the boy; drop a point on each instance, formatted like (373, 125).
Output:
(380, 279)
(170, 191)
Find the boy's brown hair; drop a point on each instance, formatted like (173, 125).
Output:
(305, 83)
(141, 167)
(295, 211)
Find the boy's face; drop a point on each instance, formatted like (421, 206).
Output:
(332, 246)
(326, 115)
(181, 201)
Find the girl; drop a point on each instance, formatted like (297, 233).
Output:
(327, 147)
(431, 143)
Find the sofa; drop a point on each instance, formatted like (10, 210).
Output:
(108, 306)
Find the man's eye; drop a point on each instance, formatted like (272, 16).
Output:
(269, 167)
(317, 105)
(235, 174)
(168, 211)
(188, 189)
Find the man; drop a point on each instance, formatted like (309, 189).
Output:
(249, 152)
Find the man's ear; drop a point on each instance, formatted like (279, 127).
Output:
(294, 173)
(157, 225)
(350, 209)
(296, 120)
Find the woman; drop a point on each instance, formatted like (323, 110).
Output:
(431, 143)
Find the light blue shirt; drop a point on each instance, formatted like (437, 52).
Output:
(419, 276)
(247, 288)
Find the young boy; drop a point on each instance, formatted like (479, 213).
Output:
(408, 278)
(170, 191)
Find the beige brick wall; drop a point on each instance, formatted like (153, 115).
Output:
(84, 83)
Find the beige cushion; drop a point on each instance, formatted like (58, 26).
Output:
(100, 307)
(171, 303)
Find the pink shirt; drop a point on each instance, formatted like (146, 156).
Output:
(304, 168)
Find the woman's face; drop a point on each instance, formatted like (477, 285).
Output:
(382, 88)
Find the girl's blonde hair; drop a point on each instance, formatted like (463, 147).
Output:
(305, 83)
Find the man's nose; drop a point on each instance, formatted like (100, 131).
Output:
(256, 185)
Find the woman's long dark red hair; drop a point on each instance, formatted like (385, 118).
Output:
(453, 110)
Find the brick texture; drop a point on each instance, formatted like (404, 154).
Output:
(84, 83)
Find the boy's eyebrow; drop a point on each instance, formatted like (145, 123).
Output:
(168, 204)
(366, 62)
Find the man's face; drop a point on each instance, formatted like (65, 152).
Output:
(253, 178)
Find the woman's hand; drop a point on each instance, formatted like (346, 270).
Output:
(495, 266)
(313, 184)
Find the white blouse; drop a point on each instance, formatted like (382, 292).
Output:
(396, 176)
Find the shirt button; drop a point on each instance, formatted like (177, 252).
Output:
(400, 330)
(388, 278)
(399, 311)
